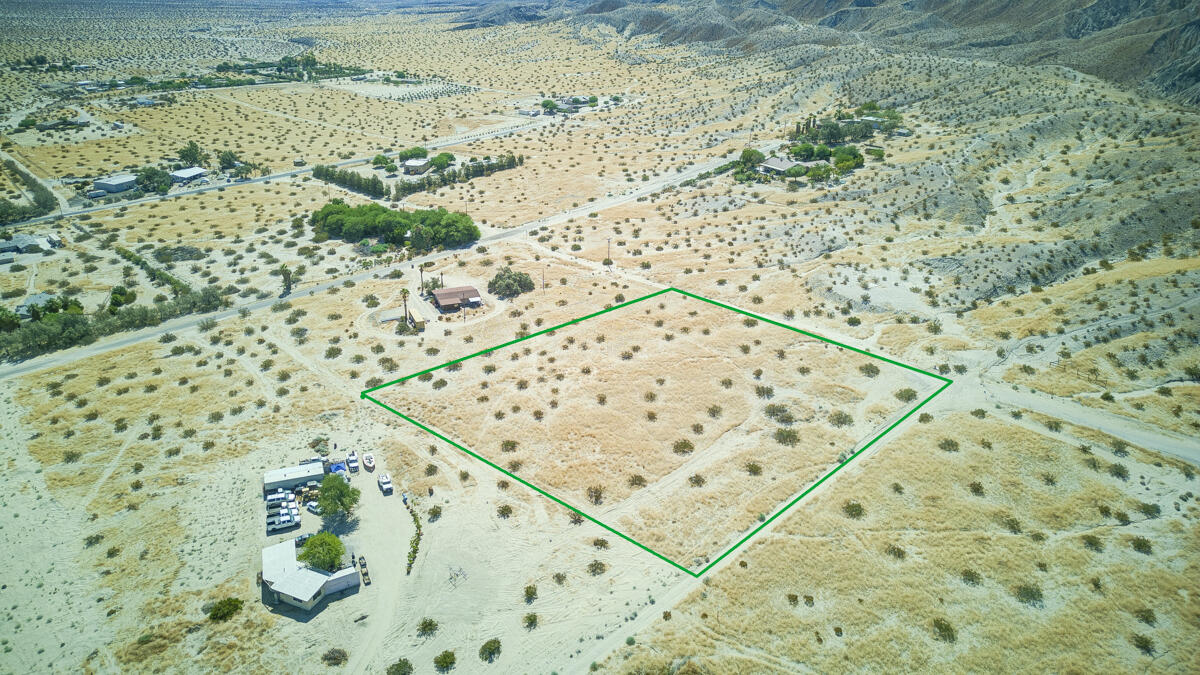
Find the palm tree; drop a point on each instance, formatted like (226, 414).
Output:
(404, 297)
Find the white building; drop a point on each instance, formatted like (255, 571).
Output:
(187, 175)
(118, 183)
(297, 584)
(291, 476)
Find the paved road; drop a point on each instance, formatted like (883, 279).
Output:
(182, 323)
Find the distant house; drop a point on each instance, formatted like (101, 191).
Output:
(902, 132)
(96, 194)
(25, 243)
(294, 583)
(453, 298)
(776, 165)
(25, 309)
(417, 166)
(6, 258)
(118, 183)
(290, 476)
(142, 100)
(530, 113)
(187, 175)
(875, 122)
(299, 161)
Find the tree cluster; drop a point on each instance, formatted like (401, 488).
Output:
(473, 169)
(43, 200)
(423, 230)
(508, 283)
(370, 186)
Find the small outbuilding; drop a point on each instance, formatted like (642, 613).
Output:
(187, 175)
(776, 165)
(25, 309)
(118, 183)
(459, 296)
(417, 166)
(291, 476)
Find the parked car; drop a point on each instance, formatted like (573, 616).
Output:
(385, 483)
(302, 538)
(352, 462)
(313, 508)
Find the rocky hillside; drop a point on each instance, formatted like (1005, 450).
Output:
(1149, 43)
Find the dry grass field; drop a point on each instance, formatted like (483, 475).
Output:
(678, 422)
(1033, 238)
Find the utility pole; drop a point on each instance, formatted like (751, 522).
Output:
(609, 256)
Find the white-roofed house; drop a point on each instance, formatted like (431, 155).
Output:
(297, 584)
(187, 175)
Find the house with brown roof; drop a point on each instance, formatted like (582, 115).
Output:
(448, 299)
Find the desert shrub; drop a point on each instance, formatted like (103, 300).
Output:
(869, 369)
(531, 621)
(71, 456)
(753, 468)
(504, 511)
(1141, 545)
(431, 469)
(714, 411)
(600, 543)
(637, 480)
(764, 391)
(335, 657)
(696, 480)
(435, 512)
(530, 593)
(895, 551)
(976, 488)
(596, 568)
(426, 627)
(1012, 525)
(559, 578)
(789, 437)
(907, 395)
(971, 577)
(222, 610)
(1146, 616)
(400, 667)
(840, 418)
(1118, 470)
(853, 510)
(1149, 510)
(1092, 543)
(683, 446)
(1143, 643)
(1029, 594)
(444, 661)
(595, 494)
(93, 539)
(490, 650)
(943, 631)
(948, 444)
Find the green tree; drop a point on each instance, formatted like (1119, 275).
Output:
(193, 155)
(227, 159)
(509, 283)
(490, 650)
(441, 160)
(802, 152)
(286, 273)
(337, 496)
(322, 551)
(549, 106)
(152, 179)
(9, 321)
(751, 157)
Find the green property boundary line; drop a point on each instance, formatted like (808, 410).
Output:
(946, 382)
